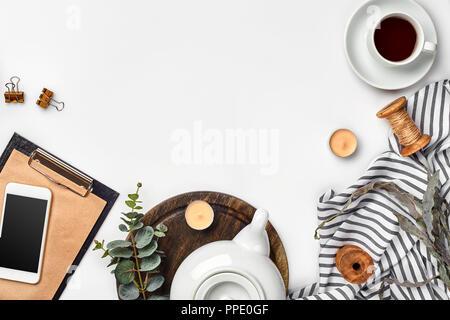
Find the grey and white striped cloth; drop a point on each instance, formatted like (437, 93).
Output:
(369, 222)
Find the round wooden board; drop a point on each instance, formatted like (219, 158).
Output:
(230, 216)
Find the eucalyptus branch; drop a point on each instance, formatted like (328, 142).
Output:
(355, 195)
(430, 216)
(141, 287)
(406, 284)
(137, 254)
(131, 235)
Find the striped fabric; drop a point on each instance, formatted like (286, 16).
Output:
(370, 224)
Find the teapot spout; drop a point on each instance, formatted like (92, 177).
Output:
(254, 236)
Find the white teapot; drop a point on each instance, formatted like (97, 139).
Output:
(238, 269)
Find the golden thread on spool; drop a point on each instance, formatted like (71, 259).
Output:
(404, 128)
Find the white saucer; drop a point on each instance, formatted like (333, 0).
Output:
(362, 62)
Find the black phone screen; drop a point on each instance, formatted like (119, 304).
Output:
(21, 233)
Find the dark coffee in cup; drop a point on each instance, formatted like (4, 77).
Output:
(395, 39)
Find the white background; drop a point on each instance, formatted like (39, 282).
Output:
(133, 72)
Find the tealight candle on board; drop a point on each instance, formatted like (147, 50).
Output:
(199, 215)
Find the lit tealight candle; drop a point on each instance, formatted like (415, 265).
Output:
(199, 215)
(343, 143)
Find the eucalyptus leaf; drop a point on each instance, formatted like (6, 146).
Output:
(162, 227)
(442, 244)
(144, 237)
(105, 254)
(148, 250)
(446, 212)
(139, 216)
(160, 234)
(130, 203)
(428, 203)
(125, 272)
(411, 228)
(155, 283)
(413, 206)
(434, 253)
(98, 245)
(438, 200)
(444, 224)
(133, 196)
(138, 225)
(133, 215)
(150, 263)
(436, 223)
(126, 221)
(420, 223)
(121, 252)
(130, 215)
(118, 244)
(114, 261)
(444, 275)
(128, 292)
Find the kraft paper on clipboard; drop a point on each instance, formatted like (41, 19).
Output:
(71, 220)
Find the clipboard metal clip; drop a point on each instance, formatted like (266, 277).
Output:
(60, 172)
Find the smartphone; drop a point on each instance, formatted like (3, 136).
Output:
(23, 229)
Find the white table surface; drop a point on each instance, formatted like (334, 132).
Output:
(136, 73)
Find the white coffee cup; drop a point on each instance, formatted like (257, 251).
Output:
(422, 46)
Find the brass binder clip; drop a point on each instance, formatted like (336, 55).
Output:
(13, 94)
(45, 100)
(60, 172)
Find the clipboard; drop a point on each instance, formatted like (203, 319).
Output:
(39, 158)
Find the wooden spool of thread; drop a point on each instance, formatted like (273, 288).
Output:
(354, 264)
(404, 128)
